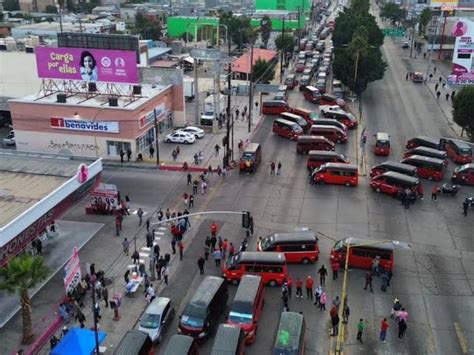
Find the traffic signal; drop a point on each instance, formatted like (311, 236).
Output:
(246, 218)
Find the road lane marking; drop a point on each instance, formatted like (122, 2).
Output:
(461, 338)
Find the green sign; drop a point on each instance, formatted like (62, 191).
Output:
(394, 32)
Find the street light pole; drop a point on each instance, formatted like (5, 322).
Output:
(250, 88)
(428, 68)
(282, 50)
(156, 139)
(96, 334)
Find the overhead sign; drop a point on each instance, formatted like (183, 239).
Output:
(150, 116)
(72, 271)
(90, 65)
(394, 32)
(81, 125)
(462, 71)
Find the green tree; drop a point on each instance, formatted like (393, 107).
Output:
(393, 12)
(359, 6)
(51, 9)
(425, 18)
(463, 110)
(147, 28)
(285, 42)
(266, 29)
(11, 5)
(21, 274)
(348, 21)
(240, 29)
(263, 71)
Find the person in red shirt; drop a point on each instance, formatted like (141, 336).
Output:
(231, 250)
(299, 288)
(383, 329)
(335, 269)
(309, 287)
(213, 229)
(224, 248)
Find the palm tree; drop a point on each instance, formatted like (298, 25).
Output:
(22, 273)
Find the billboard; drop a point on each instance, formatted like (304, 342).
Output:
(72, 271)
(82, 125)
(439, 3)
(90, 65)
(462, 71)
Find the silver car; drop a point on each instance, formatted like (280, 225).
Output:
(157, 318)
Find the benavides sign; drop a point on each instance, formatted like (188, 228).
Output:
(82, 125)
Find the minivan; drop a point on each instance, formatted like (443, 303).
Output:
(290, 81)
(460, 152)
(316, 158)
(337, 173)
(274, 107)
(391, 183)
(304, 144)
(230, 340)
(201, 315)
(464, 174)
(287, 129)
(291, 334)
(247, 306)
(422, 141)
(135, 342)
(427, 152)
(251, 158)
(330, 122)
(427, 168)
(312, 94)
(182, 345)
(334, 134)
(395, 166)
(308, 115)
(292, 117)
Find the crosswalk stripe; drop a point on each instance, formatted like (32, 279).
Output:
(144, 255)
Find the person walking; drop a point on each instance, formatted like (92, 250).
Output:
(152, 151)
(122, 154)
(81, 318)
(166, 273)
(317, 294)
(216, 254)
(140, 216)
(402, 327)
(216, 149)
(39, 247)
(407, 76)
(368, 280)
(383, 330)
(434, 192)
(436, 87)
(360, 330)
(346, 312)
(136, 257)
(214, 232)
(299, 288)
(129, 154)
(231, 250)
(465, 207)
(309, 287)
(189, 179)
(334, 321)
(118, 225)
(105, 296)
(272, 168)
(335, 269)
(289, 284)
(438, 94)
(195, 186)
(322, 275)
(201, 261)
(278, 171)
(322, 301)
(181, 249)
(96, 311)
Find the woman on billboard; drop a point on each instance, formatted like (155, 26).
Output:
(88, 67)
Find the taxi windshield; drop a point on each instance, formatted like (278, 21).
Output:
(465, 151)
(339, 246)
(266, 242)
(237, 317)
(248, 156)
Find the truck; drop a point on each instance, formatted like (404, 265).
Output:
(210, 111)
(189, 89)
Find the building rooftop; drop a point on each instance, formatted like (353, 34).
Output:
(41, 176)
(100, 101)
(242, 64)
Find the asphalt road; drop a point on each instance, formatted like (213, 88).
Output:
(433, 279)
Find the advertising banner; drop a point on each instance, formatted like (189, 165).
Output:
(439, 3)
(150, 116)
(106, 193)
(90, 65)
(462, 71)
(72, 271)
(82, 125)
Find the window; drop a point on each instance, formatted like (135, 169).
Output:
(335, 173)
(289, 248)
(114, 148)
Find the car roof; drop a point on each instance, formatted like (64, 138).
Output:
(158, 305)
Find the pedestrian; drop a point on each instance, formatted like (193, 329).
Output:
(237, 113)
(140, 216)
(322, 275)
(438, 94)
(141, 269)
(335, 269)
(213, 232)
(375, 265)
(173, 244)
(440, 78)
(201, 261)
(216, 149)
(336, 302)
(434, 192)
(147, 223)
(299, 288)
(436, 86)
(402, 327)
(384, 282)
(189, 179)
(150, 293)
(156, 250)
(317, 294)
(39, 247)
(174, 155)
(135, 257)
(152, 151)
(121, 155)
(424, 55)
(444, 84)
(360, 330)
(346, 313)
(181, 249)
(452, 95)
(81, 318)
(322, 301)
(105, 296)
(406, 77)
(178, 150)
(166, 273)
(203, 187)
(209, 170)
(231, 250)
(272, 168)
(465, 207)
(447, 96)
(431, 76)
(368, 280)
(289, 286)
(278, 171)
(216, 254)
(96, 311)
(309, 287)
(434, 70)
(383, 329)
(335, 324)
(195, 186)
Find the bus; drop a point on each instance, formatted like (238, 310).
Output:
(337, 173)
(250, 159)
(362, 252)
(287, 129)
(427, 168)
(247, 306)
(298, 247)
(270, 266)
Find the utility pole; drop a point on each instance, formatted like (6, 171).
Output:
(250, 88)
(96, 335)
(196, 121)
(299, 25)
(229, 93)
(156, 139)
(282, 50)
(412, 41)
(428, 68)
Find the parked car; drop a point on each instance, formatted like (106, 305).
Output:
(157, 318)
(10, 139)
(180, 137)
(300, 65)
(198, 132)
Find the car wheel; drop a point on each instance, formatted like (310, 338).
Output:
(272, 283)
(430, 178)
(235, 282)
(377, 189)
(305, 261)
(186, 142)
(167, 140)
(348, 184)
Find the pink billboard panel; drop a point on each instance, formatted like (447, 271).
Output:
(462, 71)
(91, 65)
